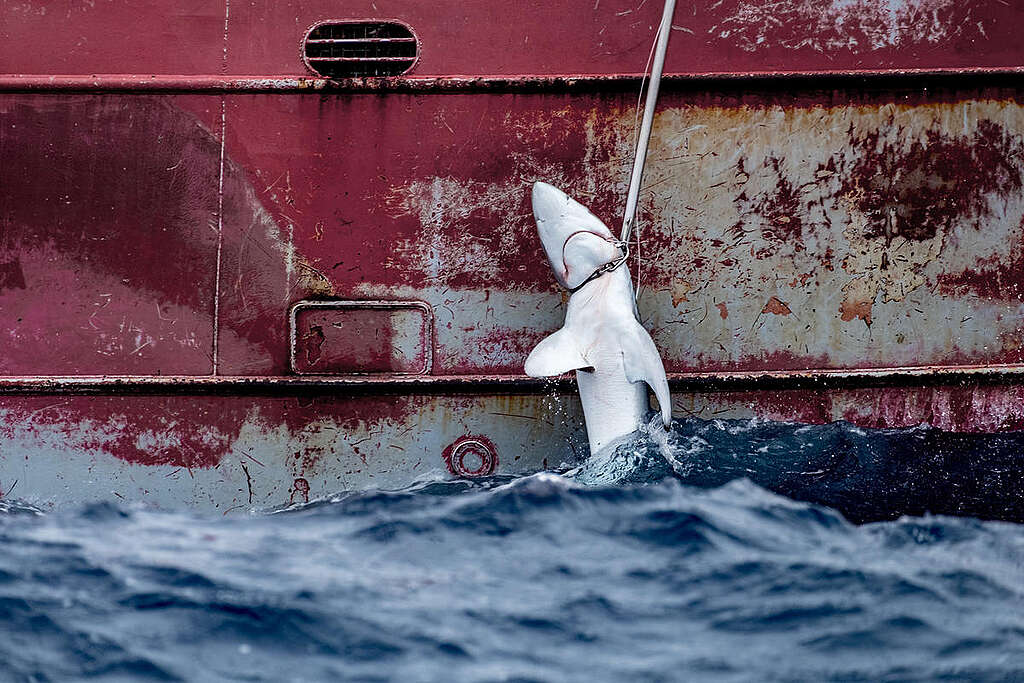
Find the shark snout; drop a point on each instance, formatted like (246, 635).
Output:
(548, 201)
(573, 238)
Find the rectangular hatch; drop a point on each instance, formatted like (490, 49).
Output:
(361, 337)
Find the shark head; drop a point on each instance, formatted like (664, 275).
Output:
(576, 241)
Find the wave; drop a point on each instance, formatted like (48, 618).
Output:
(665, 557)
(868, 475)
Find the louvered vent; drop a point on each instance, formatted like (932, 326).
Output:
(356, 49)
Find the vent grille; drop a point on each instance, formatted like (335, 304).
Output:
(358, 49)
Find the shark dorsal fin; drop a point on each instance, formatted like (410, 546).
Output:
(555, 355)
(641, 363)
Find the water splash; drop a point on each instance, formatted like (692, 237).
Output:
(868, 475)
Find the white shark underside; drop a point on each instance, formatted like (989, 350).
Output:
(613, 355)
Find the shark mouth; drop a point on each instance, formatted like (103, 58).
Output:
(560, 221)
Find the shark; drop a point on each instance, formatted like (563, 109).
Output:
(602, 339)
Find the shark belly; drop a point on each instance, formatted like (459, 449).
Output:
(612, 406)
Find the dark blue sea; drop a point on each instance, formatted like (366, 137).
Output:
(728, 551)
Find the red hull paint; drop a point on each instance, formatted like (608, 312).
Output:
(480, 37)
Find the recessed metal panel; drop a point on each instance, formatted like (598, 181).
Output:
(361, 337)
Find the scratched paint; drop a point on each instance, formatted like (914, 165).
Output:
(855, 25)
(806, 234)
(852, 216)
(825, 236)
(237, 453)
(257, 452)
(109, 251)
(799, 235)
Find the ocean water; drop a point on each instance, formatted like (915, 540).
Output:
(725, 551)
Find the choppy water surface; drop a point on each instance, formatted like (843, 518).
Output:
(654, 562)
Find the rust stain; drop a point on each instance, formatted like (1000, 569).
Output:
(800, 280)
(781, 212)
(881, 202)
(311, 344)
(992, 277)
(856, 309)
(775, 307)
(908, 195)
(916, 192)
(680, 292)
(826, 260)
(900, 194)
(300, 491)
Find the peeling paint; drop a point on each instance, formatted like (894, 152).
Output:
(743, 201)
(776, 307)
(232, 453)
(749, 168)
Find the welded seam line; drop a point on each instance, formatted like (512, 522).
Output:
(484, 83)
(909, 377)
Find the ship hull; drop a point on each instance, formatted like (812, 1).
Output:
(228, 283)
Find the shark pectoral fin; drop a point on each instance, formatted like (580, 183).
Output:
(555, 355)
(642, 363)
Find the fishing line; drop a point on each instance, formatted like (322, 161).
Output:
(636, 127)
(656, 64)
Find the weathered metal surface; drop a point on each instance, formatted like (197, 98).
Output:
(840, 236)
(814, 246)
(235, 453)
(779, 232)
(840, 230)
(107, 250)
(481, 37)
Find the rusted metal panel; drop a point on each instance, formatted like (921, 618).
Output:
(839, 230)
(842, 230)
(499, 38)
(840, 236)
(233, 453)
(846, 229)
